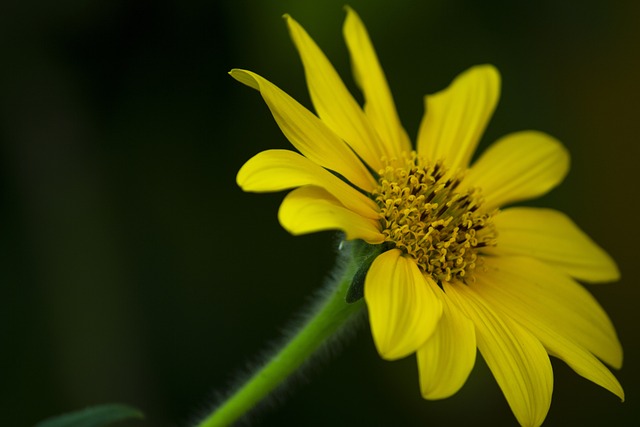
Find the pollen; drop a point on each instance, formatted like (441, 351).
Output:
(423, 215)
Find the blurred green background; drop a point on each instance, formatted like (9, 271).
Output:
(134, 270)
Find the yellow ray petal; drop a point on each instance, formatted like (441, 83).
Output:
(333, 102)
(554, 300)
(275, 170)
(516, 358)
(403, 309)
(581, 361)
(502, 292)
(307, 132)
(309, 209)
(519, 166)
(552, 237)
(379, 106)
(447, 358)
(455, 118)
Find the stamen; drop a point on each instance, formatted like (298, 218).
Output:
(422, 215)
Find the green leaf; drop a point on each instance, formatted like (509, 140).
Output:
(366, 254)
(95, 416)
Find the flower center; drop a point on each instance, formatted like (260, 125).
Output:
(424, 216)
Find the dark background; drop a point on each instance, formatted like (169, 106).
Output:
(134, 270)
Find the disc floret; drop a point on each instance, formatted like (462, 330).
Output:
(423, 214)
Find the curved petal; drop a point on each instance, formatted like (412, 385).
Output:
(581, 361)
(379, 106)
(403, 309)
(516, 358)
(275, 170)
(512, 296)
(309, 209)
(551, 300)
(552, 237)
(307, 132)
(455, 118)
(519, 166)
(333, 102)
(545, 329)
(447, 358)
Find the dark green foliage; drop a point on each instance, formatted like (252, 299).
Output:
(95, 416)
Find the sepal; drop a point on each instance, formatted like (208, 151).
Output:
(366, 253)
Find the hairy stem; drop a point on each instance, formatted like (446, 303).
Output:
(329, 316)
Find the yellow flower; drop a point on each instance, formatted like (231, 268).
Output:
(455, 271)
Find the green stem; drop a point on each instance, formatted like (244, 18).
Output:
(329, 317)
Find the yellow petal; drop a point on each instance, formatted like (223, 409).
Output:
(309, 209)
(455, 118)
(512, 297)
(447, 358)
(581, 361)
(333, 102)
(553, 300)
(307, 132)
(403, 309)
(379, 106)
(519, 166)
(552, 237)
(516, 358)
(275, 170)
(553, 337)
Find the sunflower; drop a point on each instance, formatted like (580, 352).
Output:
(453, 271)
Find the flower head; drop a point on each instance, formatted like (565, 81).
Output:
(456, 271)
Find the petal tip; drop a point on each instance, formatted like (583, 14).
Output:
(486, 71)
(241, 177)
(245, 77)
(615, 274)
(619, 357)
(291, 23)
(235, 73)
(349, 11)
